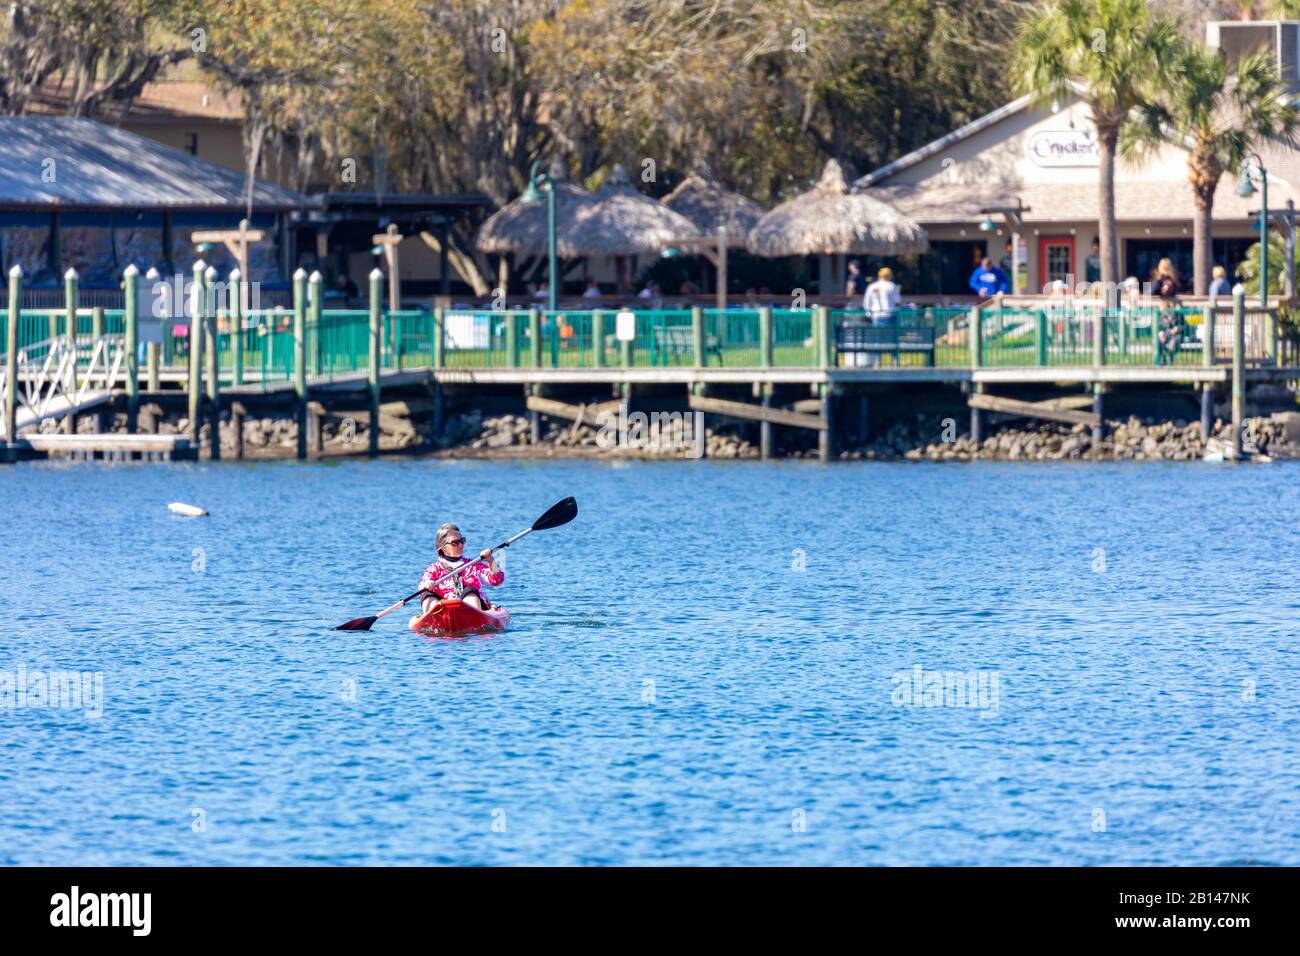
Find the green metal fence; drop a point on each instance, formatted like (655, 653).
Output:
(338, 344)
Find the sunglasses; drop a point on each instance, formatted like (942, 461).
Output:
(455, 540)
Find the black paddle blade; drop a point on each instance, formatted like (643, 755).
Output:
(360, 624)
(562, 512)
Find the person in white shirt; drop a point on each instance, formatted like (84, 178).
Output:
(882, 298)
(592, 291)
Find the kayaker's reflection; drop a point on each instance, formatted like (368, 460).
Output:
(468, 585)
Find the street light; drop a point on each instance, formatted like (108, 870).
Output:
(1246, 189)
(540, 182)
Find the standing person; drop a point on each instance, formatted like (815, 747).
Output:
(882, 298)
(988, 280)
(1165, 286)
(856, 283)
(1092, 265)
(1008, 262)
(1219, 284)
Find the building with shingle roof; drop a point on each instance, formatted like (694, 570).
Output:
(78, 193)
(1046, 159)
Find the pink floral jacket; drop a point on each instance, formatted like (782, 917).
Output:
(474, 577)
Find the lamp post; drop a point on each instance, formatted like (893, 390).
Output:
(1246, 189)
(540, 182)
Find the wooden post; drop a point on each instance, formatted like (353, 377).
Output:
(765, 427)
(534, 339)
(1099, 409)
(976, 334)
(211, 356)
(11, 354)
(1207, 335)
(826, 436)
(152, 352)
(1238, 365)
(825, 341)
(300, 359)
(597, 338)
(864, 420)
(512, 339)
(71, 289)
(1207, 410)
(376, 347)
(765, 337)
(626, 356)
(131, 301)
(235, 240)
(315, 306)
(1099, 339)
(315, 424)
(69, 423)
(697, 336)
(194, 381)
(389, 240)
(97, 333)
(237, 429)
(976, 416)
(236, 291)
(439, 349)
(534, 419)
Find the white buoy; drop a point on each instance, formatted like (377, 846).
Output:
(189, 511)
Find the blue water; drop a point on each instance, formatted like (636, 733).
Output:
(704, 668)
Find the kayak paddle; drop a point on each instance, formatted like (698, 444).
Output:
(562, 512)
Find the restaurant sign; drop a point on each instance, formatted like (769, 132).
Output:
(1065, 147)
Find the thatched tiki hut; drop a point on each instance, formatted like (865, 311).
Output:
(520, 228)
(831, 219)
(722, 217)
(616, 221)
(624, 222)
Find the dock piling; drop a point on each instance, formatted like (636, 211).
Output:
(300, 359)
(1207, 410)
(194, 380)
(1238, 365)
(131, 302)
(11, 357)
(212, 373)
(376, 352)
(236, 292)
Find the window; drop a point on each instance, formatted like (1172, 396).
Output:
(192, 143)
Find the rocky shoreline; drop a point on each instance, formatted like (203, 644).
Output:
(922, 438)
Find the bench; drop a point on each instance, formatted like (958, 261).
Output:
(679, 340)
(855, 339)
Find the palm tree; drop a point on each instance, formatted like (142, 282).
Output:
(1112, 54)
(1221, 114)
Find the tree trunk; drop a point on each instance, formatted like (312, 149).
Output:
(1202, 242)
(1107, 138)
(463, 263)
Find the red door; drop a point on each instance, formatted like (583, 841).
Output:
(1056, 260)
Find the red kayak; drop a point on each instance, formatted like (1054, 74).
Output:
(456, 617)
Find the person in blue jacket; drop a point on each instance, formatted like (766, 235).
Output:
(987, 279)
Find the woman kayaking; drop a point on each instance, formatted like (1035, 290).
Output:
(468, 585)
